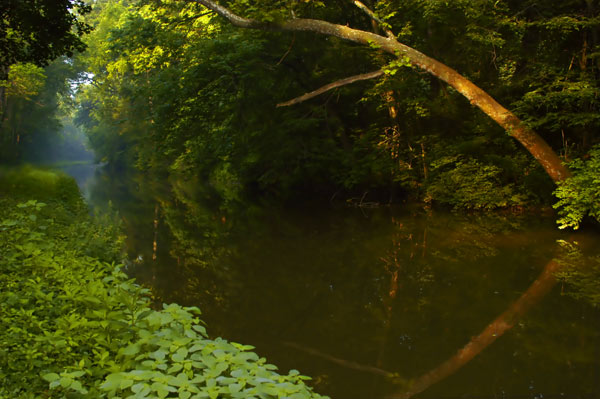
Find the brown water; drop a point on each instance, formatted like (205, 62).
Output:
(393, 301)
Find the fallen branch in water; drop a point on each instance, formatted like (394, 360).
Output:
(344, 363)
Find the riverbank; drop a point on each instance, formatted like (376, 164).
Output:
(74, 325)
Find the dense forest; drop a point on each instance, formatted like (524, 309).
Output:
(488, 108)
(172, 87)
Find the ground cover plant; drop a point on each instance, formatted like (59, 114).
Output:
(73, 325)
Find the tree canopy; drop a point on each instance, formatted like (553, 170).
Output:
(179, 86)
(38, 31)
(176, 87)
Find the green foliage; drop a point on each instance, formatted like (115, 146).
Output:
(35, 100)
(21, 37)
(469, 184)
(579, 195)
(219, 81)
(24, 80)
(185, 92)
(581, 273)
(45, 279)
(74, 325)
(225, 182)
(29, 182)
(395, 65)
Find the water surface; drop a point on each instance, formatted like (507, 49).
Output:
(351, 296)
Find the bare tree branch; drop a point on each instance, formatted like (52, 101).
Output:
(225, 13)
(330, 86)
(288, 50)
(374, 17)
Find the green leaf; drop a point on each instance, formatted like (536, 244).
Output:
(161, 389)
(76, 385)
(65, 382)
(242, 347)
(51, 377)
(200, 329)
(141, 388)
(112, 382)
(238, 373)
(220, 367)
(180, 355)
(175, 368)
(131, 350)
(234, 388)
(125, 384)
(158, 354)
(195, 347)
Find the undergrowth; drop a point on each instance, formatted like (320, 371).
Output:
(73, 325)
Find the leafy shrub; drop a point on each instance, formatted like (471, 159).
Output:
(74, 326)
(468, 184)
(579, 195)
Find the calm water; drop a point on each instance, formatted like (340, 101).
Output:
(351, 296)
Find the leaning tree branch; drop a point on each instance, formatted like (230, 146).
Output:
(236, 20)
(533, 142)
(330, 86)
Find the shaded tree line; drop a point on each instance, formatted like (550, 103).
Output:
(34, 79)
(174, 87)
(178, 87)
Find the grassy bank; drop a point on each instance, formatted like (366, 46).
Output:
(72, 325)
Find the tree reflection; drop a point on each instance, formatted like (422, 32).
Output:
(538, 289)
(358, 292)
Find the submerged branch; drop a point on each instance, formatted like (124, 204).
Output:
(341, 362)
(330, 86)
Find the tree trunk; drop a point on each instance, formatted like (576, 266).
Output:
(3, 94)
(534, 143)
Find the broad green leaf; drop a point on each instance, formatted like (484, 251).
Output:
(125, 384)
(180, 355)
(130, 350)
(65, 382)
(51, 377)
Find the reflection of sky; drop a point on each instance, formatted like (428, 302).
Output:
(70, 154)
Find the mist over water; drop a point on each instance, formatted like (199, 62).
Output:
(69, 152)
